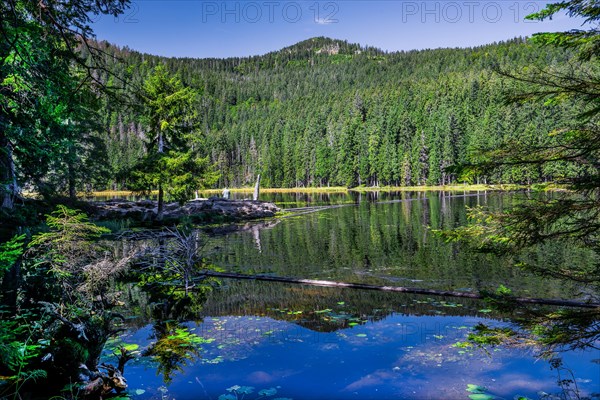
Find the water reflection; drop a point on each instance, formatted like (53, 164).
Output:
(387, 243)
(291, 200)
(323, 343)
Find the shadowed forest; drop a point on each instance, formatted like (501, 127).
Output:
(432, 228)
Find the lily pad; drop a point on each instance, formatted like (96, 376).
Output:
(245, 390)
(481, 396)
(475, 388)
(131, 347)
(268, 392)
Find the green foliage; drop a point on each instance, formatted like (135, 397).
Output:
(174, 346)
(19, 352)
(69, 353)
(178, 260)
(70, 241)
(550, 332)
(300, 117)
(323, 112)
(503, 291)
(486, 336)
(320, 113)
(44, 108)
(10, 252)
(186, 173)
(585, 42)
(68, 225)
(501, 300)
(564, 329)
(171, 272)
(173, 163)
(63, 312)
(482, 231)
(180, 174)
(570, 150)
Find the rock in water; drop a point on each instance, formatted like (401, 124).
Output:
(145, 210)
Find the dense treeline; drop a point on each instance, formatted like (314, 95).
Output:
(325, 112)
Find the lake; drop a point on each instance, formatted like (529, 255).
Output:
(265, 340)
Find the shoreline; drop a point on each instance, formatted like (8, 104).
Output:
(360, 189)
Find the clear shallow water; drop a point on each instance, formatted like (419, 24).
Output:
(398, 357)
(404, 350)
(321, 343)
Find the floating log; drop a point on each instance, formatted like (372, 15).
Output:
(364, 286)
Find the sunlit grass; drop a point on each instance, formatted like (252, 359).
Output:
(333, 189)
(339, 189)
(113, 193)
(439, 188)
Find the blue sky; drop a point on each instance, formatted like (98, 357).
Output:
(204, 28)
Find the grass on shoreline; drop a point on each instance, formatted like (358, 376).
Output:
(363, 189)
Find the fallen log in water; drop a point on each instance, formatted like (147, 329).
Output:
(364, 286)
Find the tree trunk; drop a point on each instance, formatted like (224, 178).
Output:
(159, 212)
(71, 167)
(161, 143)
(256, 188)
(8, 181)
(10, 286)
(161, 203)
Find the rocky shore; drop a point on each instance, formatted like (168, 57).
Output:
(202, 209)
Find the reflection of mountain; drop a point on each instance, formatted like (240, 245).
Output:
(308, 306)
(374, 243)
(390, 243)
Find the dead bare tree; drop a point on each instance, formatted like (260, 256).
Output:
(178, 259)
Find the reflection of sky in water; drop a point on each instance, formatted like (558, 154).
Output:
(371, 345)
(400, 356)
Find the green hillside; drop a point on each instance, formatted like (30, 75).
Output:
(327, 112)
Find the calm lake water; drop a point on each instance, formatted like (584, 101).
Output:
(259, 340)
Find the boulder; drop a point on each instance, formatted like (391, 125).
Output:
(146, 210)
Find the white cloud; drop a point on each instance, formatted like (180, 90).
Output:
(324, 21)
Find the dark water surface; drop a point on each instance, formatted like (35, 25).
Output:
(273, 340)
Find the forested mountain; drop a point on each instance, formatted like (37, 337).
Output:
(327, 112)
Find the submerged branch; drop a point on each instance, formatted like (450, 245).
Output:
(364, 286)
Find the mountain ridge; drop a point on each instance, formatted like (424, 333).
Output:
(326, 112)
(315, 46)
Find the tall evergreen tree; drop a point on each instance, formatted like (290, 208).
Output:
(170, 116)
(572, 218)
(41, 42)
